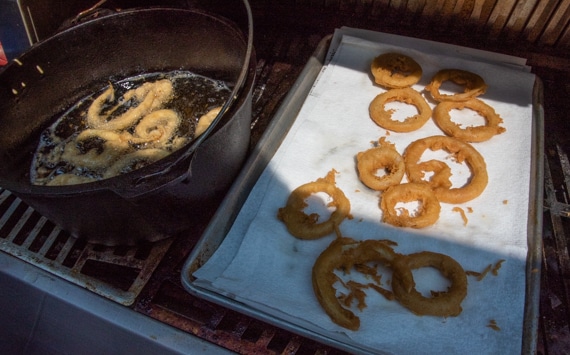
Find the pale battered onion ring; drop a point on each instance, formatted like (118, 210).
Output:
(149, 96)
(442, 304)
(128, 161)
(206, 120)
(428, 205)
(68, 179)
(344, 253)
(384, 156)
(304, 226)
(158, 127)
(383, 117)
(114, 145)
(395, 70)
(462, 151)
(442, 117)
(473, 85)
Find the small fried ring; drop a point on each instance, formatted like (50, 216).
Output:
(428, 209)
(385, 156)
(395, 70)
(442, 117)
(304, 226)
(462, 151)
(343, 253)
(473, 84)
(442, 304)
(383, 118)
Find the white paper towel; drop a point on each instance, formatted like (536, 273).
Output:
(263, 266)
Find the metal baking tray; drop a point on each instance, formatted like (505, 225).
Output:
(226, 214)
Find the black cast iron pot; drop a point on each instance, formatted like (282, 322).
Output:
(166, 197)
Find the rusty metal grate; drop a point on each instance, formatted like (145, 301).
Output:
(117, 273)
(555, 285)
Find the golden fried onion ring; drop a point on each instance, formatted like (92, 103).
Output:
(442, 304)
(384, 156)
(343, 253)
(428, 208)
(442, 117)
(395, 70)
(383, 117)
(462, 151)
(304, 226)
(473, 85)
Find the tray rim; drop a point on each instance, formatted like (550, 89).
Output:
(226, 214)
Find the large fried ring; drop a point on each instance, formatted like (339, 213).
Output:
(343, 254)
(442, 117)
(442, 304)
(462, 151)
(473, 85)
(304, 226)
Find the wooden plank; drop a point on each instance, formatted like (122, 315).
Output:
(448, 7)
(556, 24)
(416, 6)
(564, 42)
(432, 8)
(464, 9)
(539, 19)
(519, 17)
(499, 16)
(379, 7)
(481, 11)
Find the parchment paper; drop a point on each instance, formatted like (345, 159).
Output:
(262, 265)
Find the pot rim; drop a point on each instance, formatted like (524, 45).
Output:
(128, 184)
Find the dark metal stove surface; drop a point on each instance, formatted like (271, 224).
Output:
(145, 281)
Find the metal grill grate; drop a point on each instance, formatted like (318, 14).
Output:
(117, 273)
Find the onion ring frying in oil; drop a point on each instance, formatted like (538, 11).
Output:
(384, 156)
(69, 179)
(428, 208)
(114, 145)
(148, 97)
(462, 152)
(343, 253)
(442, 304)
(442, 117)
(206, 120)
(395, 70)
(304, 226)
(157, 127)
(128, 162)
(473, 85)
(383, 117)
